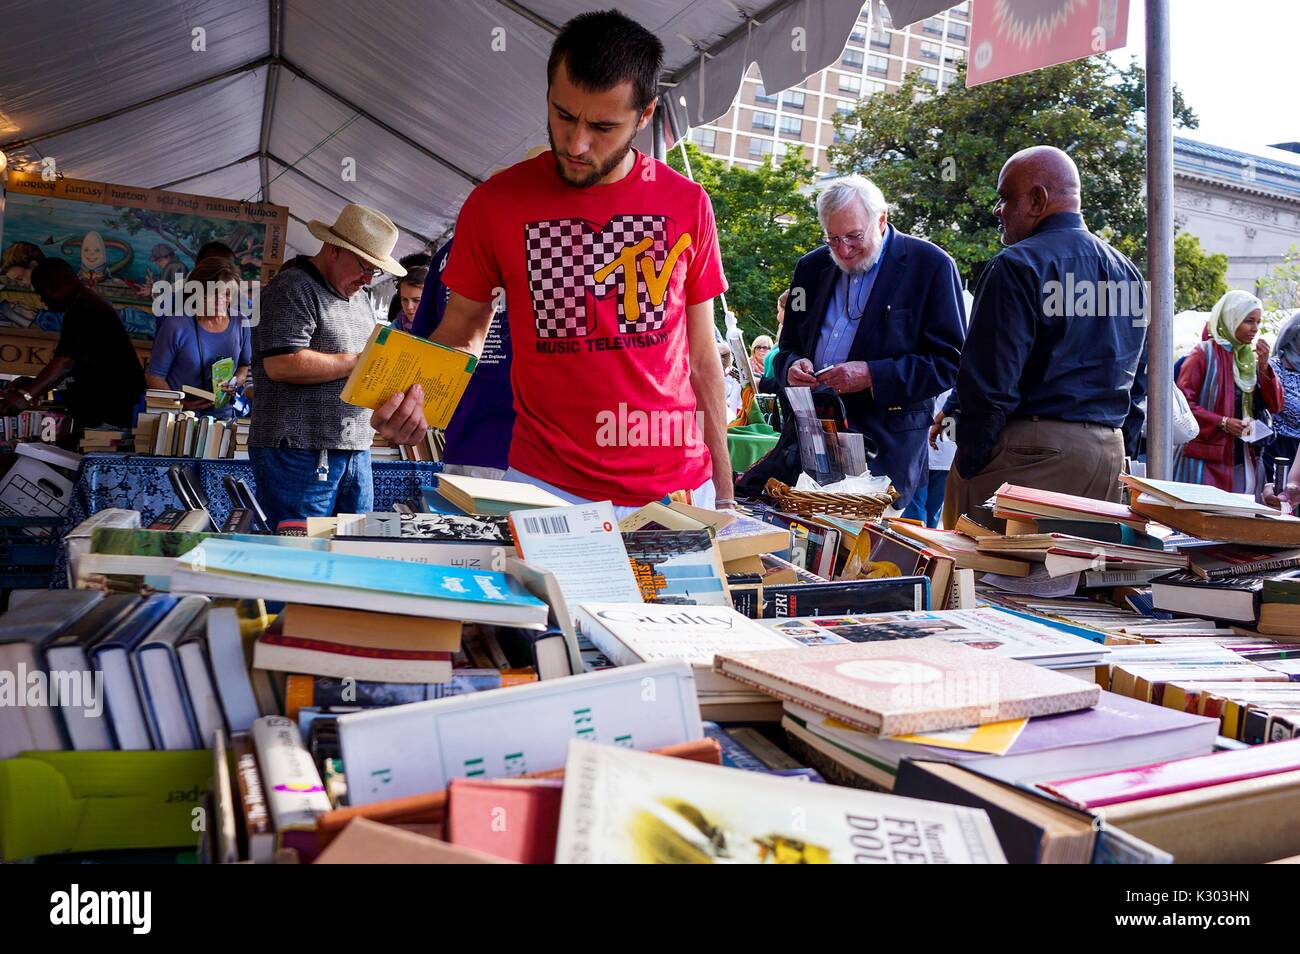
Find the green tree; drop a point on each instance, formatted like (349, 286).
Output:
(1200, 277)
(1279, 290)
(937, 157)
(766, 219)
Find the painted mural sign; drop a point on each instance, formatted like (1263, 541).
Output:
(121, 240)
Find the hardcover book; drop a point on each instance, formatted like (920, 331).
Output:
(909, 686)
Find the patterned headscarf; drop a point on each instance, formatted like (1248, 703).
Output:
(1228, 314)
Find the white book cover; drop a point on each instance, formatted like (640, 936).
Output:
(295, 794)
(583, 547)
(624, 807)
(630, 633)
(987, 628)
(420, 747)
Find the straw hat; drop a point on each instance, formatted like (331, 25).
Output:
(365, 231)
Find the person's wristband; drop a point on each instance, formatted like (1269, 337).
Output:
(26, 396)
(726, 502)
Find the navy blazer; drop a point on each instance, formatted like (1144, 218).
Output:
(910, 334)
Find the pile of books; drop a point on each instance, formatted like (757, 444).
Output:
(105, 440)
(663, 688)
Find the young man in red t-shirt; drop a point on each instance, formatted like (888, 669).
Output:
(609, 262)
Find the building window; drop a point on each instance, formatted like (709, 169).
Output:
(859, 35)
(758, 148)
(704, 138)
(930, 51)
(957, 32)
(764, 120)
(962, 9)
(878, 65)
(852, 59)
(850, 84)
(845, 109)
(880, 40)
(929, 75)
(873, 86)
(761, 96)
(791, 126)
(933, 26)
(844, 134)
(949, 77)
(793, 99)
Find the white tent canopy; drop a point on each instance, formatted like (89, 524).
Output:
(421, 99)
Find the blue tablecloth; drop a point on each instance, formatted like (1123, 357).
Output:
(141, 483)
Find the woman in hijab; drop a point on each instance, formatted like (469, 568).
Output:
(1228, 384)
(1286, 365)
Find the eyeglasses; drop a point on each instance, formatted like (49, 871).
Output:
(363, 266)
(853, 239)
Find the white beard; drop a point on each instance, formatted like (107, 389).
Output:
(860, 267)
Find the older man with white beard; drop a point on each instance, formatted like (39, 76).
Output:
(878, 316)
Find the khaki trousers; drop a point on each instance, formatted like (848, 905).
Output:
(1064, 456)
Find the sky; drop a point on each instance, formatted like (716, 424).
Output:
(1236, 64)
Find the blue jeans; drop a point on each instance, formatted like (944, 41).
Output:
(289, 484)
(927, 502)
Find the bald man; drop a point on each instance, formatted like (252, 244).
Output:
(1055, 357)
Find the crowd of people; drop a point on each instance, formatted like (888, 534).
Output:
(609, 263)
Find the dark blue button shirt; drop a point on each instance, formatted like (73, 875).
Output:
(1058, 331)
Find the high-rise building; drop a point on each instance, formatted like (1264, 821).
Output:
(874, 60)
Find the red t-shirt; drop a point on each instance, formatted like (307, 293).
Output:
(597, 282)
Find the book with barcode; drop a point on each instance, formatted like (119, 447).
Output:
(582, 547)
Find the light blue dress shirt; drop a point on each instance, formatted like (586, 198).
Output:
(844, 312)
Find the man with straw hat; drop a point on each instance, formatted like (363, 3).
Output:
(310, 450)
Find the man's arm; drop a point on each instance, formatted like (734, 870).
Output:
(464, 326)
(710, 395)
(50, 375)
(1002, 330)
(308, 366)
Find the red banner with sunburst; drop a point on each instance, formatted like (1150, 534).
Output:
(1016, 36)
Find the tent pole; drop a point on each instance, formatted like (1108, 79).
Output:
(1160, 240)
(657, 130)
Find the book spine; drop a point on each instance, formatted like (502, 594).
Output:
(294, 791)
(252, 799)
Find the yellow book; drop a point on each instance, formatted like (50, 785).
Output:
(994, 738)
(393, 361)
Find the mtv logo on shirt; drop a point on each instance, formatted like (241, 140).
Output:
(572, 265)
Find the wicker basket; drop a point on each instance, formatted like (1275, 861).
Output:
(805, 503)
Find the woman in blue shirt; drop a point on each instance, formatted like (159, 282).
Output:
(187, 346)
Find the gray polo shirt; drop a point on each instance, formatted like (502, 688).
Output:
(300, 310)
